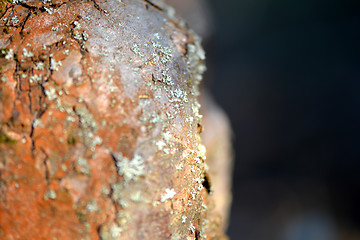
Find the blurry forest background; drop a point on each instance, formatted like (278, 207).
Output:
(288, 75)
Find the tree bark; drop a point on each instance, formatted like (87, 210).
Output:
(100, 123)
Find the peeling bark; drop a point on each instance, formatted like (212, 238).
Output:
(99, 123)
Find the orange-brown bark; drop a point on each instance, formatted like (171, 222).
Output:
(99, 119)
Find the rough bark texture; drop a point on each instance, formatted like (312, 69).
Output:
(100, 123)
(217, 134)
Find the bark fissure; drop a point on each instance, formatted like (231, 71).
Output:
(24, 23)
(97, 7)
(32, 138)
(46, 167)
(153, 5)
(206, 183)
(42, 8)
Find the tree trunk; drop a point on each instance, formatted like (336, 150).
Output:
(100, 124)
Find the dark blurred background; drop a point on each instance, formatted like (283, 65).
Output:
(288, 75)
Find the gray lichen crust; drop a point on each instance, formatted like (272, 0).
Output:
(113, 119)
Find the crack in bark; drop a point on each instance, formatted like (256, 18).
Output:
(114, 202)
(153, 5)
(47, 171)
(23, 24)
(97, 6)
(206, 183)
(197, 234)
(42, 8)
(43, 108)
(35, 9)
(98, 229)
(32, 137)
(8, 19)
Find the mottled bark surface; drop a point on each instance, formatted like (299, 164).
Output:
(99, 123)
(217, 133)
